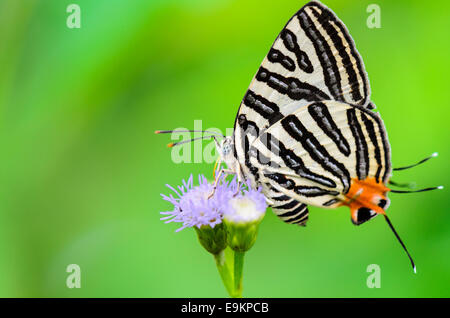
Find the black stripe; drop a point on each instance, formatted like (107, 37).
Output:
(298, 212)
(357, 58)
(235, 135)
(325, 17)
(361, 71)
(294, 162)
(313, 191)
(305, 191)
(281, 180)
(298, 218)
(262, 106)
(373, 138)
(281, 198)
(362, 153)
(291, 44)
(276, 56)
(262, 159)
(319, 112)
(301, 222)
(295, 216)
(331, 202)
(301, 208)
(287, 206)
(248, 128)
(370, 105)
(386, 148)
(291, 86)
(327, 60)
(269, 186)
(318, 153)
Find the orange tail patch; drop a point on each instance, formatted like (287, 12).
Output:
(366, 199)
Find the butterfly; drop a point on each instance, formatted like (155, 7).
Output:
(306, 132)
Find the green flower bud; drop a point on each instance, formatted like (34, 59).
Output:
(242, 221)
(213, 239)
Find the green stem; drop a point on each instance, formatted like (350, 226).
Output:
(230, 265)
(238, 269)
(224, 270)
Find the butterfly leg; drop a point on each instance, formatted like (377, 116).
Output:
(238, 189)
(226, 171)
(238, 173)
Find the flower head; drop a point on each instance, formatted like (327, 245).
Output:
(194, 206)
(204, 208)
(242, 219)
(249, 206)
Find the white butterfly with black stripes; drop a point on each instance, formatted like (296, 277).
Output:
(294, 134)
(305, 131)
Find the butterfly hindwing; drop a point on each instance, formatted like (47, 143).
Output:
(286, 208)
(293, 212)
(315, 154)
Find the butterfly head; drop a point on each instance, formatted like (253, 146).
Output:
(225, 149)
(366, 199)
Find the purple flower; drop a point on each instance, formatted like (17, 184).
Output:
(242, 218)
(193, 205)
(249, 206)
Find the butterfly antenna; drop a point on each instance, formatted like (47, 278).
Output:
(189, 131)
(421, 190)
(171, 145)
(409, 185)
(419, 163)
(401, 242)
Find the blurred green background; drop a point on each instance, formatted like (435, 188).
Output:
(81, 170)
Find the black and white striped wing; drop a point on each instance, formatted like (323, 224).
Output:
(315, 154)
(314, 58)
(288, 209)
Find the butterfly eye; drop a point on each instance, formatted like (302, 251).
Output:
(226, 149)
